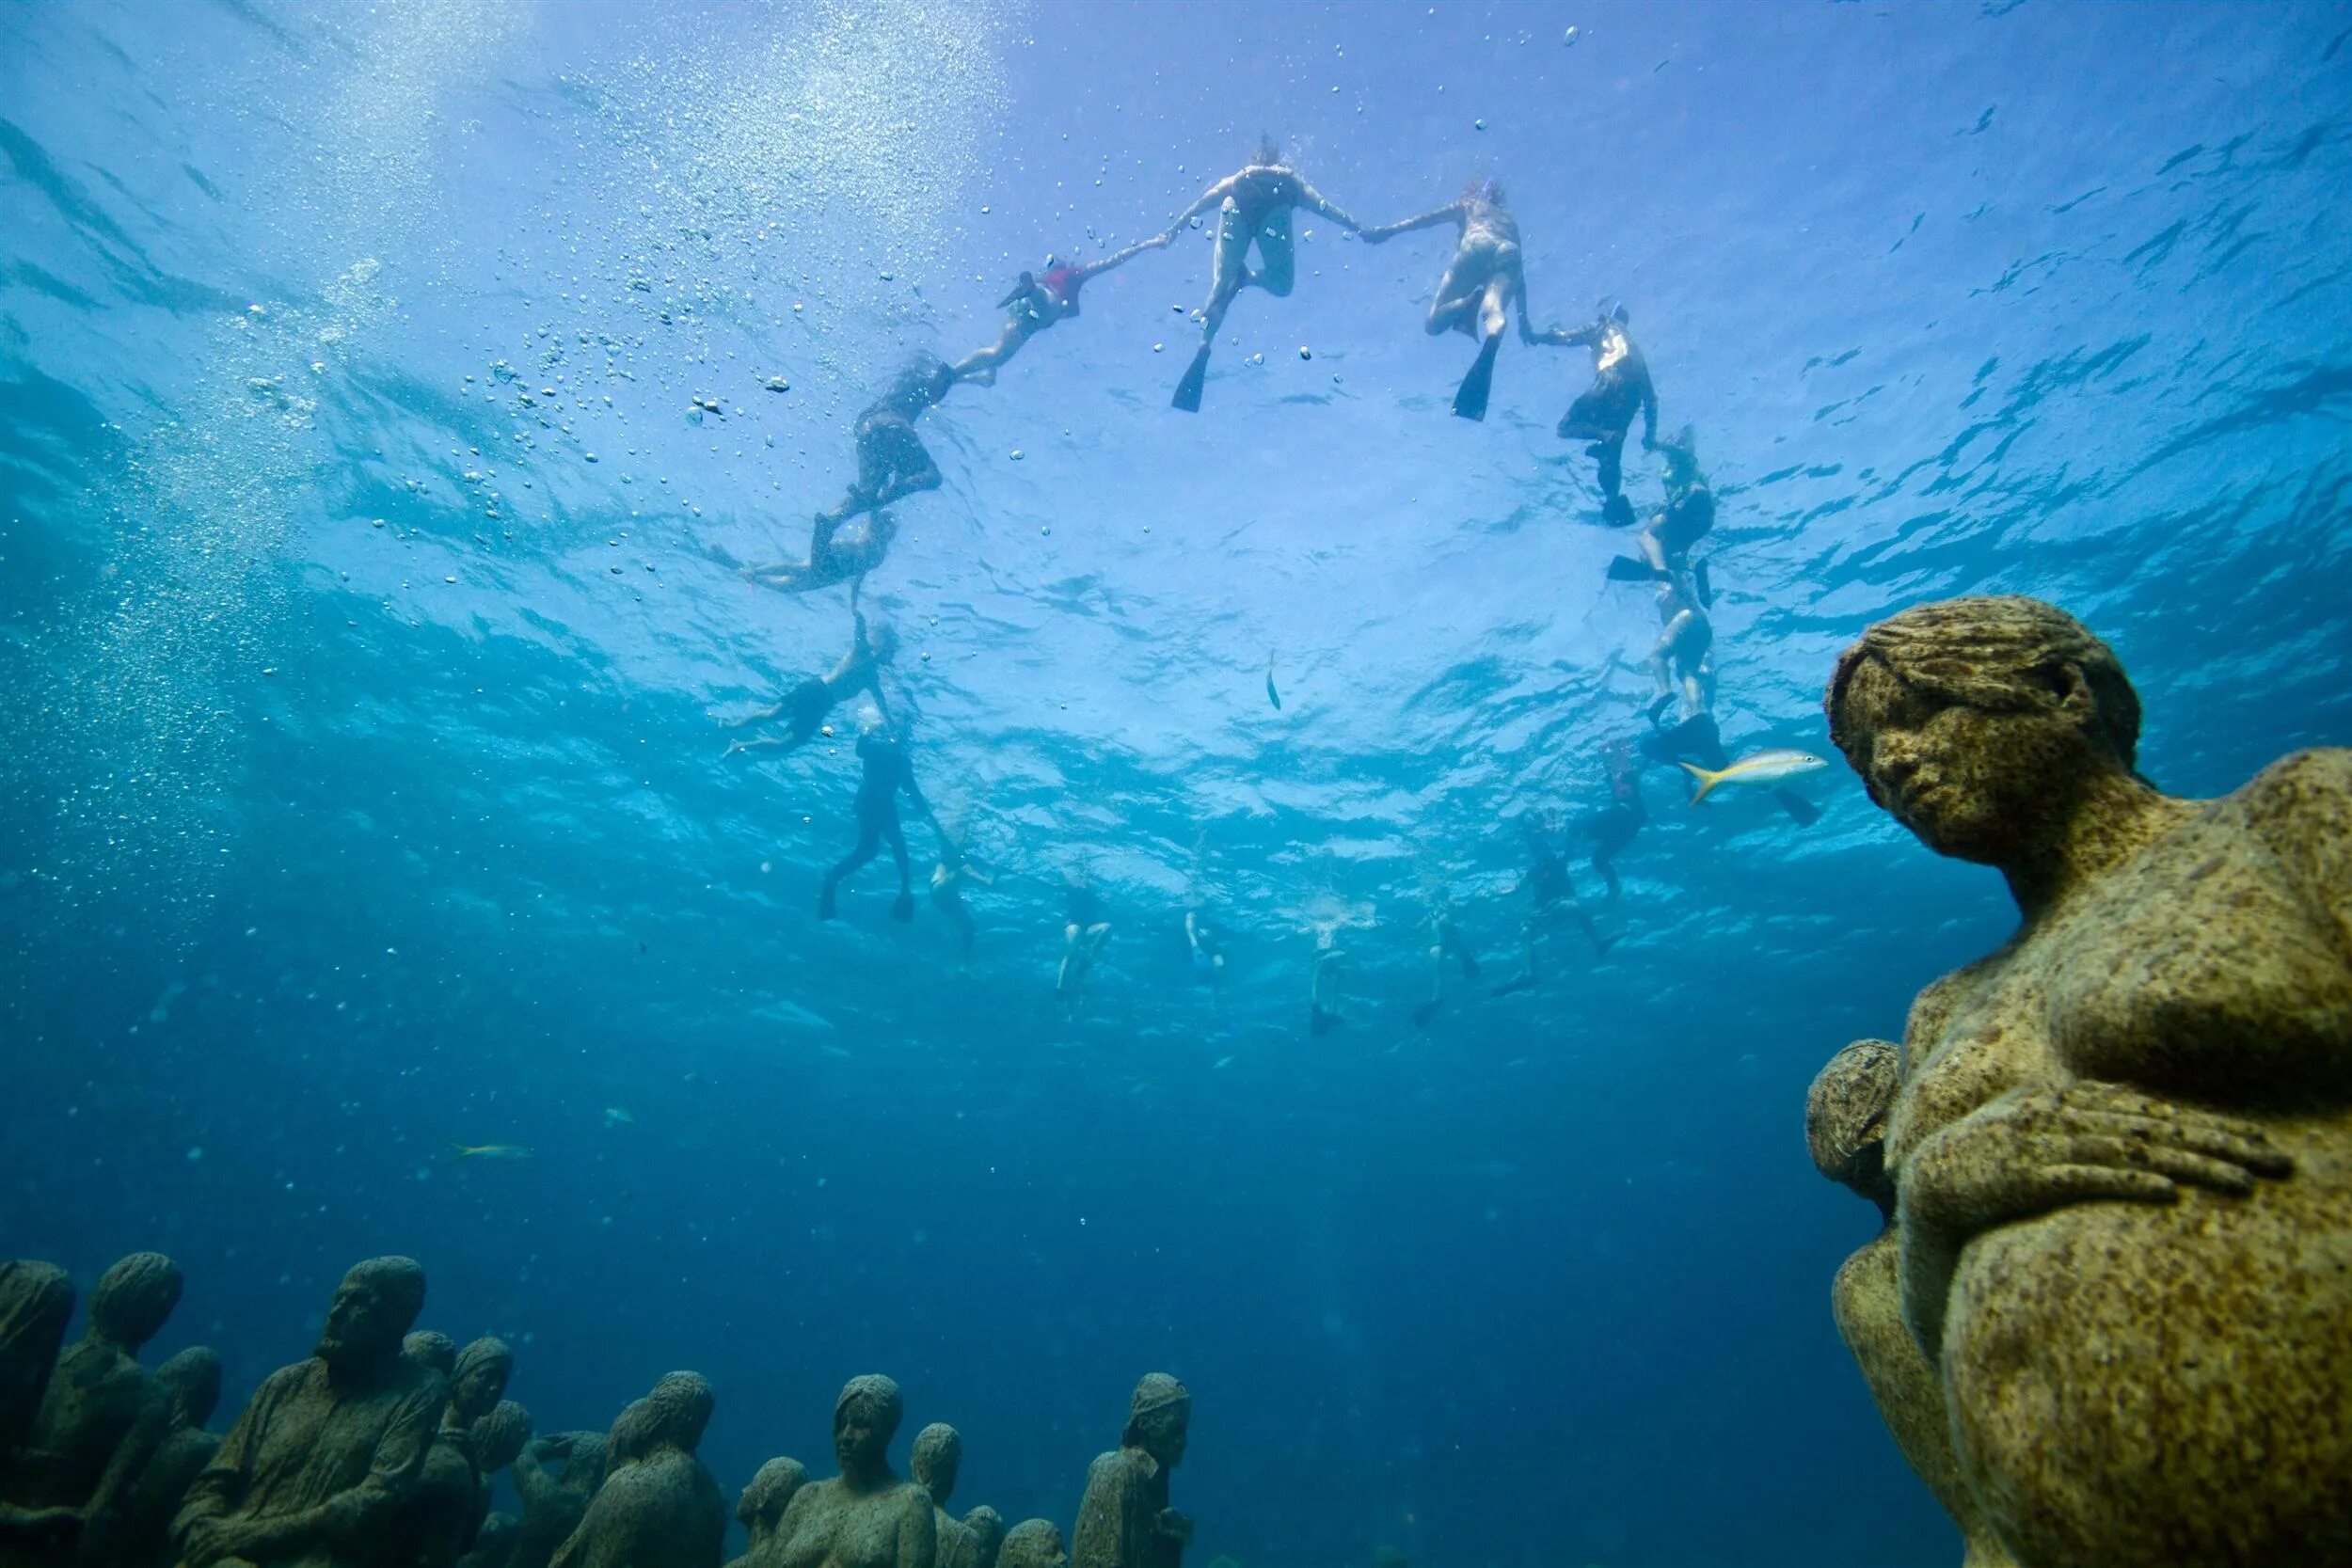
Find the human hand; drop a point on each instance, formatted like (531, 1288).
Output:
(2085, 1143)
(1174, 1526)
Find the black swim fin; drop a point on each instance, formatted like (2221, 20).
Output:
(1525, 982)
(1698, 579)
(903, 909)
(1803, 811)
(1188, 390)
(1470, 401)
(825, 906)
(1625, 568)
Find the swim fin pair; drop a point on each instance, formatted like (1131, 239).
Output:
(1470, 400)
(1196, 375)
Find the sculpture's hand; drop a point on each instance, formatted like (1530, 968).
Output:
(206, 1543)
(2030, 1153)
(2085, 1143)
(1174, 1526)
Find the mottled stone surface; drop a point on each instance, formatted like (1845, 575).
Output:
(99, 1388)
(553, 1505)
(760, 1509)
(128, 1522)
(318, 1466)
(1033, 1543)
(934, 1463)
(1124, 1520)
(987, 1536)
(1845, 1126)
(2122, 1143)
(657, 1507)
(864, 1517)
(36, 1304)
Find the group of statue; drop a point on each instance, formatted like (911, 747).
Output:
(378, 1451)
(2108, 1316)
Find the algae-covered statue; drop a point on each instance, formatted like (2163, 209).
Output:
(934, 1463)
(657, 1507)
(317, 1468)
(864, 1517)
(760, 1509)
(1124, 1520)
(987, 1536)
(444, 1512)
(553, 1505)
(36, 1304)
(128, 1521)
(2121, 1143)
(99, 1388)
(1033, 1543)
(1845, 1125)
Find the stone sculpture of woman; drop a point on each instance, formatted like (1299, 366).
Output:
(864, 1517)
(657, 1508)
(2122, 1143)
(987, 1536)
(99, 1389)
(934, 1464)
(1124, 1520)
(760, 1509)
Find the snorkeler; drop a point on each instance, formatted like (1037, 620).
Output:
(1323, 1012)
(1445, 942)
(1481, 283)
(1613, 827)
(808, 703)
(1551, 895)
(1683, 661)
(1083, 931)
(834, 555)
(892, 464)
(947, 881)
(888, 771)
(1252, 205)
(1686, 517)
(1038, 301)
(1603, 412)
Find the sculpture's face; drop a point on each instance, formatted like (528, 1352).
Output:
(478, 1388)
(359, 1325)
(1164, 1430)
(858, 1438)
(1966, 780)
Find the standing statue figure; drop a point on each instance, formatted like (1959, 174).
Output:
(657, 1508)
(1845, 1127)
(1124, 1520)
(127, 1523)
(1033, 1543)
(934, 1463)
(99, 1389)
(987, 1536)
(760, 1509)
(553, 1505)
(444, 1511)
(317, 1468)
(864, 1517)
(36, 1305)
(2121, 1143)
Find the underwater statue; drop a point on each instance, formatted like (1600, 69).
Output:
(657, 1507)
(318, 1466)
(864, 1517)
(127, 1523)
(1845, 1126)
(1124, 1520)
(429, 1348)
(99, 1389)
(2121, 1143)
(553, 1505)
(934, 1463)
(36, 1305)
(444, 1511)
(1033, 1543)
(760, 1509)
(987, 1536)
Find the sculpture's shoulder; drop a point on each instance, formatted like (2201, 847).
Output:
(2301, 804)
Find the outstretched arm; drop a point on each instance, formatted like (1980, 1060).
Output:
(1649, 410)
(1450, 214)
(1207, 201)
(1314, 201)
(1117, 258)
(1566, 337)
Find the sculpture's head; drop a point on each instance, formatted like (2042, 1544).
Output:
(583, 1461)
(478, 1380)
(1033, 1543)
(1844, 1119)
(937, 1458)
(429, 1347)
(761, 1506)
(988, 1534)
(500, 1436)
(372, 1308)
(1158, 1418)
(133, 1299)
(193, 1380)
(1978, 722)
(865, 1419)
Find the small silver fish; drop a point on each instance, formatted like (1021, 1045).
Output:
(1757, 767)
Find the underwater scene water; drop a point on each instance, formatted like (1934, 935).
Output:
(392, 393)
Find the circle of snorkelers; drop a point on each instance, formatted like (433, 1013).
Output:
(1483, 288)
(382, 1446)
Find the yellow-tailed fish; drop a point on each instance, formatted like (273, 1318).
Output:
(1757, 767)
(514, 1152)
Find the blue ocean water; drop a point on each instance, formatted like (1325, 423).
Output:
(379, 381)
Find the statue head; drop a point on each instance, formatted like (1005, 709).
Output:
(373, 1308)
(1157, 1419)
(583, 1461)
(1978, 723)
(938, 1455)
(672, 1415)
(133, 1299)
(761, 1507)
(193, 1380)
(36, 1304)
(865, 1419)
(987, 1536)
(1033, 1543)
(478, 1380)
(500, 1436)
(429, 1347)
(1844, 1119)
